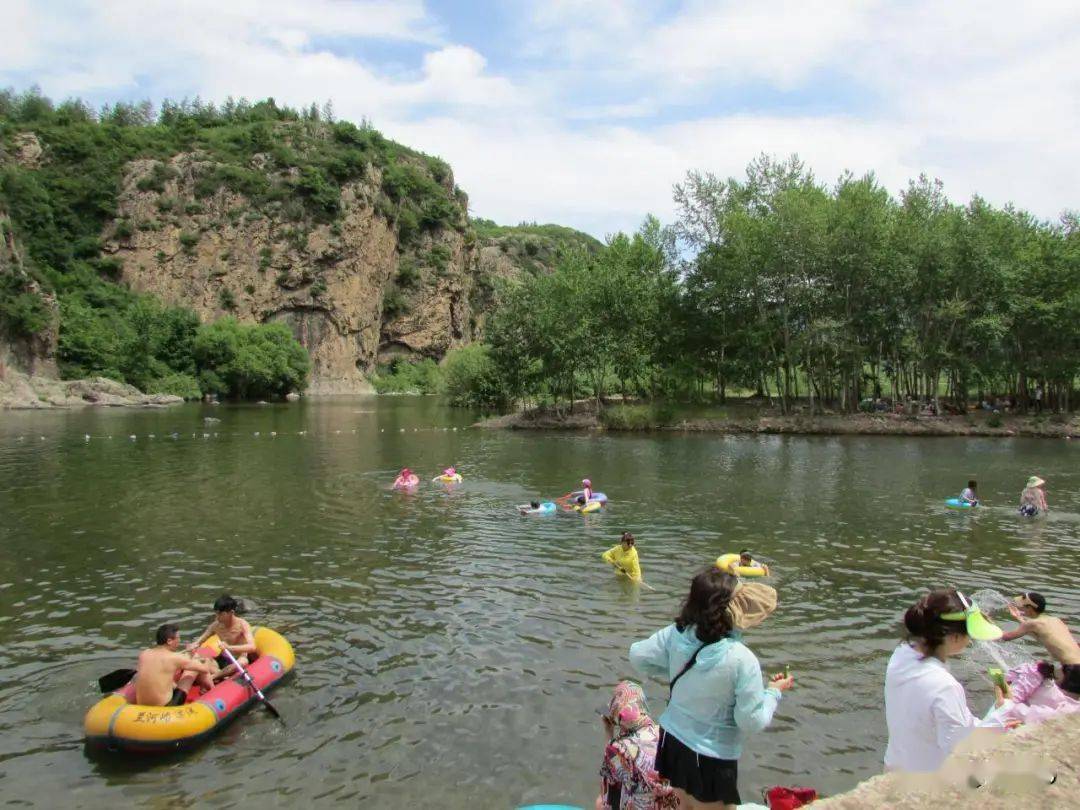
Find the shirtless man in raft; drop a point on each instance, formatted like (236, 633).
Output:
(1052, 633)
(235, 634)
(156, 683)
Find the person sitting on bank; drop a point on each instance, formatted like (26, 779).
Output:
(1028, 609)
(234, 633)
(969, 495)
(624, 557)
(156, 683)
(1033, 498)
(746, 560)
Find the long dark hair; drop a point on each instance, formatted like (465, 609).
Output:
(706, 606)
(923, 619)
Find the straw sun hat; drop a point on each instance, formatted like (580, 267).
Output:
(752, 603)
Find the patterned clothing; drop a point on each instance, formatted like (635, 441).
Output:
(628, 769)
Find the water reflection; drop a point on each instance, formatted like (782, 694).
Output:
(446, 645)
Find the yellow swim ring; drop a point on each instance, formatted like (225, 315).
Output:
(729, 563)
(450, 479)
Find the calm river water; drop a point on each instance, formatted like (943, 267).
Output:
(449, 650)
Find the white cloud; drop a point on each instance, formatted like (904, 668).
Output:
(779, 41)
(604, 104)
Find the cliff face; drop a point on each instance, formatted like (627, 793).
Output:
(352, 293)
(29, 354)
(361, 246)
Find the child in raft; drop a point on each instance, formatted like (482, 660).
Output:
(628, 772)
(746, 560)
(583, 495)
(721, 696)
(1033, 498)
(449, 472)
(926, 708)
(624, 557)
(969, 495)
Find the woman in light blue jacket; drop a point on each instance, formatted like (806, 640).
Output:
(717, 694)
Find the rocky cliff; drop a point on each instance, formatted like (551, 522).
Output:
(30, 354)
(351, 290)
(361, 246)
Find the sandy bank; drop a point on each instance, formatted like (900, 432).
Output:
(1032, 767)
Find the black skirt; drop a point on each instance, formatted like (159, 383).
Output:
(707, 779)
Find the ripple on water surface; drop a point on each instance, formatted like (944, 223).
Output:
(447, 646)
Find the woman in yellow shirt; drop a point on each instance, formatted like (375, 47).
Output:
(624, 557)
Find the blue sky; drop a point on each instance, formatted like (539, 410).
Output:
(586, 113)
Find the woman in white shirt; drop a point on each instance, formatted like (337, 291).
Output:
(925, 706)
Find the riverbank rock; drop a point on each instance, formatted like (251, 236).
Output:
(1032, 767)
(22, 391)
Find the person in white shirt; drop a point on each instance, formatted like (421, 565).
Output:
(925, 706)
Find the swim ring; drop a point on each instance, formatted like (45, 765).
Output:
(727, 562)
(410, 482)
(116, 722)
(546, 508)
(450, 479)
(591, 506)
(956, 503)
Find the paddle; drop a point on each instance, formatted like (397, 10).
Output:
(116, 679)
(251, 685)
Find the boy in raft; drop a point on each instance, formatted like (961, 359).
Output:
(747, 561)
(1033, 498)
(1028, 609)
(235, 635)
(624, 557)
(156, 683)
(969, 495)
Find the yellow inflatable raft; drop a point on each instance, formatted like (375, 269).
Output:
(729, 563)
(117, 723)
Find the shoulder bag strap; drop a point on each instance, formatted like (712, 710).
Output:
(684, 670)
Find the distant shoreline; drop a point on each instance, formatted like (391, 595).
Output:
(1048, 426)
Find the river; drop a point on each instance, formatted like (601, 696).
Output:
(449, 650)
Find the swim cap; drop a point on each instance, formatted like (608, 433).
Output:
(1035, 481)
(586, 482)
